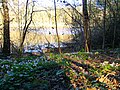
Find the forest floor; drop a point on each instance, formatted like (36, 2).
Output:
(69, 71)
(94, 72)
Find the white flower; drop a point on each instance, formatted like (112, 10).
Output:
(113, 64)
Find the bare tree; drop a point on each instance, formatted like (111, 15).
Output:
(115, 23)
(104, 24)
(6, 32)
(58, 39)
(86, 26)
(27, 23)
(90, 12)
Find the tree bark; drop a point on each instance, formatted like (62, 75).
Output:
(58, 39)
(86, 26)
(115, 23)
(104, 24)
(6, 31)
(27, 24)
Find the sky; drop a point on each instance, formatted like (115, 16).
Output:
(49, 3)
(59, 3)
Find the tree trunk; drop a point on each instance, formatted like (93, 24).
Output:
(90, 33)
(86, 26)
(104, 24)
(27, 23)
(115, 15)
(6, 44)
(58, 39)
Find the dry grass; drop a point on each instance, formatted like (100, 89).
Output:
(34, 38)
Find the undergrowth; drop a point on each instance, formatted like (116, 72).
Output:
(79, 71)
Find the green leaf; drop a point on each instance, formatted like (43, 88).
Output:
(60, 72)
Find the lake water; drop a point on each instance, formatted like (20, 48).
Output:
(42, 36)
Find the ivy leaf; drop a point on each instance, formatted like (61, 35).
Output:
(60, 72)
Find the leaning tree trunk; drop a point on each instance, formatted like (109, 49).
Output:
(6, 31)
(85, 26)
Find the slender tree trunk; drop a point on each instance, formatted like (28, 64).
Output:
(114, 31)
(90, 33)
(58, 39)
(19, 26)
(104, 24)
(6, 44)
(27, 24)
(115, 23)
(85, 26)
(24, 29)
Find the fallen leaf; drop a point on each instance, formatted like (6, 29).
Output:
(91, 88)
(115, 81)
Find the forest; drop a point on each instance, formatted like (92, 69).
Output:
(59, 44)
